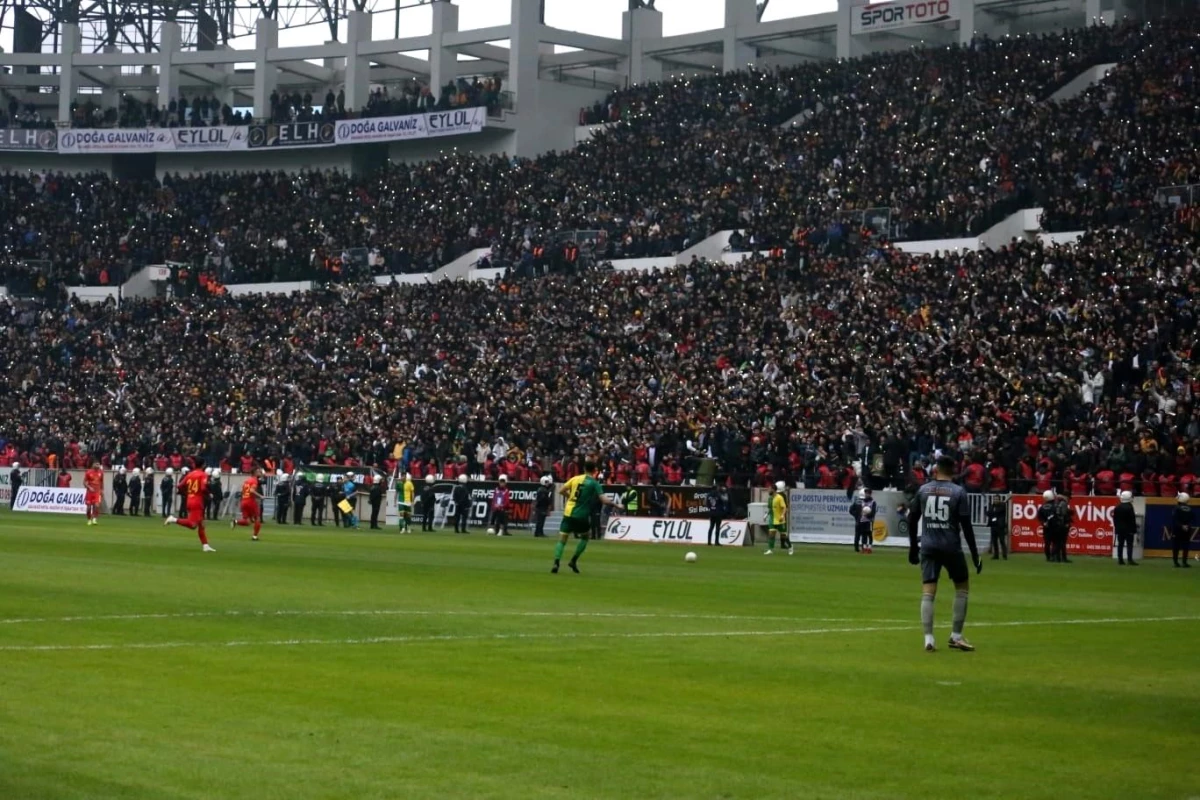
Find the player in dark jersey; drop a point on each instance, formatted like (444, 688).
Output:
(943, 513)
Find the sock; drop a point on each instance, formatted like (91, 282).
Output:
(559, 548)
(927, 614)
(771, 542)
(203, 537)
(242, 523)
(257, 528)
(960, 613)
(579, 548)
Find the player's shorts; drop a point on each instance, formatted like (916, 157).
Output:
(932, 562)
(777, 528)
(575, 526)
(250, 509)
(195, 507)
(91, 498)
(404, 508)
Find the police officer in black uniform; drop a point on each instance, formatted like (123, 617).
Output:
(300, 497)
(167, 488)
(542, 504)
(375, 498)
(316, 515)
(14, 483)
(428, 503)
(716, 516)
(656, 500)
(1182, 526)
(216, 494)
(135, 492)
(120, 485)
(1125, 528)
(462, 505)
(147, 492)
(334, 491)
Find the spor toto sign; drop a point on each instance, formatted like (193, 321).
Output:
(50, 500)
(902, 14)
(671, 530)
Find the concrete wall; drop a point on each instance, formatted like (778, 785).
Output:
(939, 246)
(236, 289)
(555, 128)
(1081, 82)
(52, 162)
(254, 161)
(489, 141)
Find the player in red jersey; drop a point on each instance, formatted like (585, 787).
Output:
(251, 510)
(93, 488)
(194, 488)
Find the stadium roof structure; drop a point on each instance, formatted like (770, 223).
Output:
(65, 48)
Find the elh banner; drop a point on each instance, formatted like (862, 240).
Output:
(36, 139)
(291, 134)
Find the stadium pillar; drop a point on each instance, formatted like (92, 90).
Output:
(1091, 12)
(168, 76)
(741, 16)
(442, 59)
(523, 65)
(223, 91)
(845, 39)
(110, 95)
(358, 68)
(68, 78)
(966, 25)
(638, 26)
(266, 74)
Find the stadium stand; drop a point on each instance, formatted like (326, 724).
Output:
(949, 141)
(832, 347)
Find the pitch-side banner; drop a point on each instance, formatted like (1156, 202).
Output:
(1158, 528)
(671, 530)
(152, 140)
(822, 516)
(877, 17)
(1091, 525)
(412, 126)
(50, 500)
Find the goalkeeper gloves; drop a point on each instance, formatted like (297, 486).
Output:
(913, 556)
(978, 562)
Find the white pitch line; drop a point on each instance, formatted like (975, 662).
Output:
(451, 637)
(402, 612)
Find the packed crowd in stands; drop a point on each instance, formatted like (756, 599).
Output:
(946, 141)
(1036, 359)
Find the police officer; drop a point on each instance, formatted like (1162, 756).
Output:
(283, 497)
(1062, 528)
(135, 492)
(542, 504)
(120, 485)
(316, 514)
(147, 492)
(167, 489)
(997, 518)
(1125, 528)
(375, 498)
(14, 482)
(428, 503)
(462, 505)
(1182, 527)
(216, 492)
(1046, 515)
(300, 497)
(629, 501)
(716, 516)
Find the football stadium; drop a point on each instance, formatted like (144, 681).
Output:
(623, 399)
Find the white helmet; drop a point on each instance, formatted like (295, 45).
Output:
(546, 480)
(1048, 495)
(1126, 496)
(170, 471)
(278, 473)
(503, 478)
(149, 470)
(137, 471)
(780, 486)
(408, 476)
(121, 470)
(1183, 498)
(16, 465)
(429, 479)
(462, 478)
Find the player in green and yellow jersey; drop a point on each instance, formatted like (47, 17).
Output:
(777, 519)
(583, 494)
(406, 496)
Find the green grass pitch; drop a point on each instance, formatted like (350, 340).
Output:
(325, 664)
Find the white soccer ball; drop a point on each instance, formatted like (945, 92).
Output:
(690, 557)
(491, 531)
